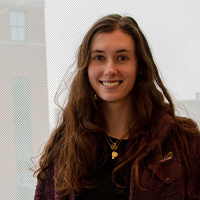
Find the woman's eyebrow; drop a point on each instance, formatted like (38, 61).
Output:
(97, 51)
(123, 50)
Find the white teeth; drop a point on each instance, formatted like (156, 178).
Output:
(111, 84)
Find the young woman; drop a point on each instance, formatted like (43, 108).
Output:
(119, 137)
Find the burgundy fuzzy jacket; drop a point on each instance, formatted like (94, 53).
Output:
(169, 179)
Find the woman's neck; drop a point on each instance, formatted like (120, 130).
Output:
(118, 117)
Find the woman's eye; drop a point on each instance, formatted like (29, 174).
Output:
(99, 58)
(122, 58)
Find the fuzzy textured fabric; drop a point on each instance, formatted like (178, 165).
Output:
(168, 182)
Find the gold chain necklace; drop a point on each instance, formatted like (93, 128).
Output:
(113, 146)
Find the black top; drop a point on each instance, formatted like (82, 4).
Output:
(104, 188)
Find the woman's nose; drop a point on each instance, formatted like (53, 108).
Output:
(111, 68)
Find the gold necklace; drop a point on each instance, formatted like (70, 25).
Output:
(113, 146)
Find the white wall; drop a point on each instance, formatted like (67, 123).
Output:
(24, 124)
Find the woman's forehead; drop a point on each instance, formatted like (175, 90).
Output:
(117, 40)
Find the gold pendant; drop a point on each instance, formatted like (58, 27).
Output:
(113, 146)
(114, 154)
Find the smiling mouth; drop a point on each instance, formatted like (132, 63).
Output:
(110, 84)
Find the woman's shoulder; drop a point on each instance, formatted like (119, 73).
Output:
(187, 124)
(193, 138)
(192, 133)
(45, 187)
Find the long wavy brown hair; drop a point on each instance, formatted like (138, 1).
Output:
(76, 142)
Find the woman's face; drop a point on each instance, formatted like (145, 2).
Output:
(113, 66)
